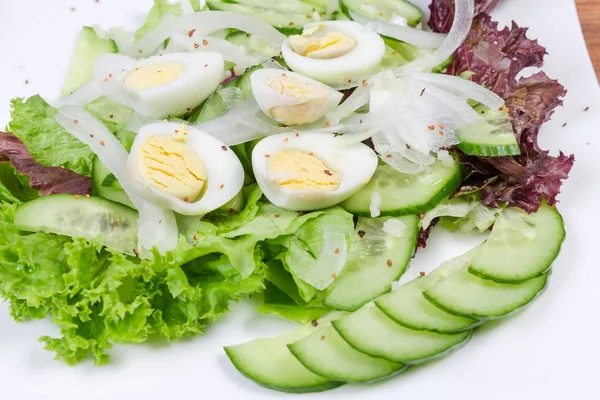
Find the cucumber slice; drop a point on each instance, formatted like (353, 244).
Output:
(407, 306)
(89, 46)
(469, 296)
(81, 217)
(521, 246)
(288, 16)
(409, 52)
(492, 137)
(104, 186)
(214, 106)
(252, 44)
(244, 81)
(372, 332)
(325, 353)
(382, 9)
(404, 194)
(269, 363)
(373, 272)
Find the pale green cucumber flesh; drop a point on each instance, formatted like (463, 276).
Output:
(372, 332)
(81, 217)
(383, 258)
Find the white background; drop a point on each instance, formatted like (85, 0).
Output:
(551, 350)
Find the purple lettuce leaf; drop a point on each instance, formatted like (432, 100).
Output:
(496, 57)
(48, 180)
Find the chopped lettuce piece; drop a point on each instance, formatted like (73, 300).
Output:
(159, 10)
(98, 297)
(114, 115)
(462, 214)
(33, 122)
(275, 302)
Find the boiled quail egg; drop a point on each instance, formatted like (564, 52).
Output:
(160, 86)
(334, 52)
(310, 171)
(181, 168)
(290, 98)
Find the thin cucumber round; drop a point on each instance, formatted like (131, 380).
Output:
(81, 217)
(288, 16)
(521, 246)
(491, 137)
(89, 46)
(372, 332)
(325, 353)
(382, 9)
(104, 184)
(407, 306)
(404, 194)
(469, 296)
(373, 272)
(269, 363)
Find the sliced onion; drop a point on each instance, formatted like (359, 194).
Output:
(395, 227)
(463, 18)
(156, 227)
(463, 87)
(417, 37)
(456, 103)
(357, 99)
(186, 7)
(82, 96)
(205, 23)
(375, 205)
(445, 157)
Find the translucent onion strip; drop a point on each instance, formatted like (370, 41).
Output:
(417, 37)
(463, 18)
(462, 87)
(205, 23)
(157, 227)
(82, 96)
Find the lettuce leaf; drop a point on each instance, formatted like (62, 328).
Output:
(159, 10)
(114, 115)
(98, 297)
(33, 122)
(462, 214)
(493, 58)
(276, 302)
(49, 180)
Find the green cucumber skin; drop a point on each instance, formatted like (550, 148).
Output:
(485, 318)
(344, 9)
(413, 21)
(482, 150)
(499, 279)
(413, 362)
(381, 378)
(299, 390)
(476, 323)
(447, 190)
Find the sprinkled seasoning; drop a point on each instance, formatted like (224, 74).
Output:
(224, 148)
(440, 133)
(441, 126)
(328, 172)
(301, 213)
(291, 24)
(87, 196)
(62, 167)
(75, 121)
(91, 135)
(431, 127)
(186, 199)
(328, 123)
(102, 143)
(422, 91)
(231, 211)
(111, 116)
(322, 337)
(310, 153)
(195, 238)
(314, 322)
(565, 124)
(422, 273)
(265, 215)
(333, 276)
(191, 33)
(118, 223)
(286, 139)
(362, 234)
(196, 45)
(205, 42)
(389, 263)
(389, 156)
(337, 250)
(267, 156)
(136, 252)
(586, 109)
(421, 216)
(222, 186)
(364, 83)
(77, 197)
(277, 215)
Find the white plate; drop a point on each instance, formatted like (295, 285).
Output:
(551, 350)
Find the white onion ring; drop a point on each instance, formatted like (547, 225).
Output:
(156, 227)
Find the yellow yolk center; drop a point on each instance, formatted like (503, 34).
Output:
(154, 75)
(309, 110)
(170, 165)
(293, 169)
(314, 44)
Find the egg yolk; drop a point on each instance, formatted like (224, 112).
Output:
(310, 110)
(154, 75)
(170, 165)
(313, 43)
(293, 169)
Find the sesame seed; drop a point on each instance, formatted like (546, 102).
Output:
(87, 196)
(407, 146)
(77, 196)
(284, 75)
(196, 45)
(441, 126)
(333, 276)
(394, 53)
(364, 83)
(75, 121)
(366, 131)
(191, 33)
(431, 127)
(440, 133)
(62, 167)
(110, 75)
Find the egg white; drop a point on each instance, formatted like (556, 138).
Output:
(350, 68)
(268, 98)
(355, 162)
(201, 75)
(225, 174)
